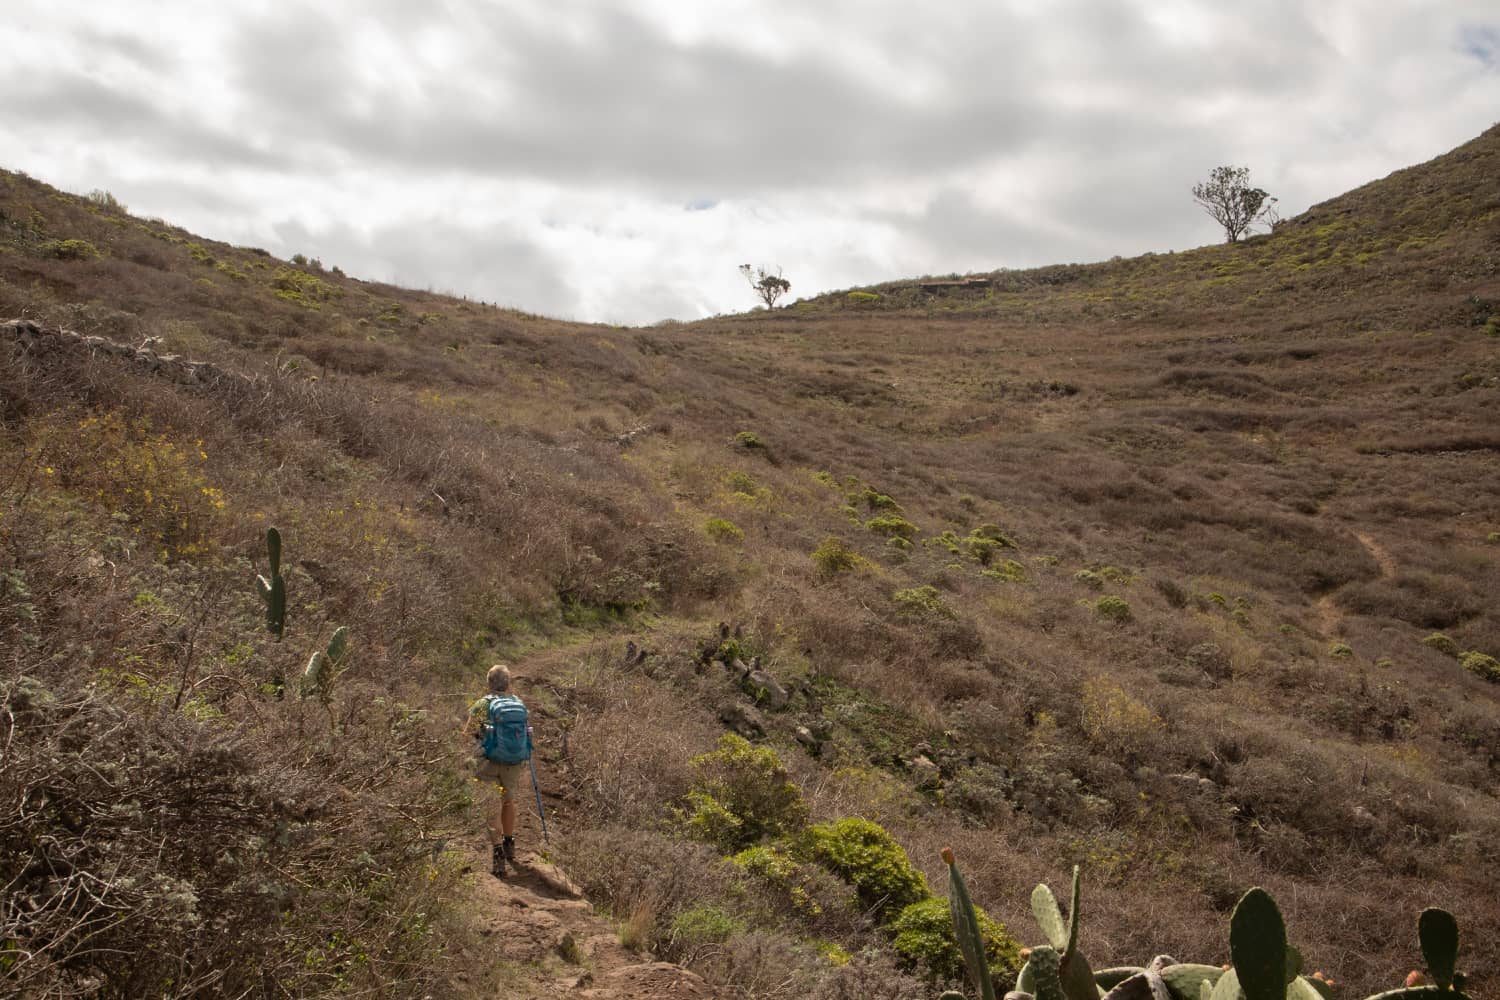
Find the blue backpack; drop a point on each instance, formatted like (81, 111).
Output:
(507, 738)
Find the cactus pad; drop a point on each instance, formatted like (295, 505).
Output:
(1438, 932)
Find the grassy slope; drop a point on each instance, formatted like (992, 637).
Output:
(1267, 450)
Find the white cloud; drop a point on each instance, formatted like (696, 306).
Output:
(617, 161)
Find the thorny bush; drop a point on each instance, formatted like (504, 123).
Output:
(143, 853)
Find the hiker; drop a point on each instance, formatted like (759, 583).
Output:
(502, 749)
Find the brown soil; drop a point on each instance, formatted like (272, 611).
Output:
(536, 919)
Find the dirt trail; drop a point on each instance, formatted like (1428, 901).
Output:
(530, 917)
(1329, 615)
(1378, 553)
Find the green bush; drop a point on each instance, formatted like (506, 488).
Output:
(748, 440)
(1442, 644)
(864, 297)
(1493, 538)
(70, 250)
(891, 526)
(775, 869)
(982, 549)
(985, 541)
(710, 821)
(1481, 665)
(876, 500)
(741, 482)
(993, 533)
(741, 794)
(304, 289)
(832, 556)
(1340, 651)
(1114, 608)
(923, 602)
(702, 925)
(721, 530)
(925, 938)
(863, 854)
(1089, 578)
(1010, 571)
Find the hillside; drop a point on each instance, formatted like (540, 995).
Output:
(1181, 568)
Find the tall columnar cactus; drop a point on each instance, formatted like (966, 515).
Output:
(324, 666)
(273, 590)
(966, 930)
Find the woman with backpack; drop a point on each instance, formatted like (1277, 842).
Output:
(502, 747)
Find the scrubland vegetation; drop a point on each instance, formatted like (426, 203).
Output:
(1179, 568)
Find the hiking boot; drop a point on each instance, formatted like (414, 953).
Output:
(508, 848)
(497, 861)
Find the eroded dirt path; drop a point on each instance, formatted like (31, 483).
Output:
(1329, 615)
(1378, 553)
(538, 922)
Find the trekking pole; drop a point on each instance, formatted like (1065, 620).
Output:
(538, 789)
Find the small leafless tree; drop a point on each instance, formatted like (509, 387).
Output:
(1230, 200)
(769, 287)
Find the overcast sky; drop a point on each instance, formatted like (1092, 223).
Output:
(616, 161)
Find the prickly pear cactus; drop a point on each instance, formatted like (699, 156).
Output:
(1257, 946)
(1438, 933)
(1077, 978)
(1265, 966)
(1046, 970)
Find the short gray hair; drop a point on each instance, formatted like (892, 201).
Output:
(499, 678)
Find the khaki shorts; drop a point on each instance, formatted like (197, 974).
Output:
(511, 777)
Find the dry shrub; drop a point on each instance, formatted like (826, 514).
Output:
(870, 974)
(762, 965)
(1118, 723)
(145, 853)
(630, 747)
(645, 877)
(1427, 600)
